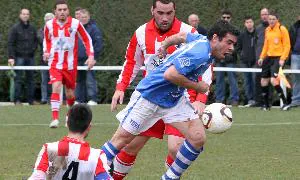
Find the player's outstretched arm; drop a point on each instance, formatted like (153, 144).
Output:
(170, 41)
(175, 77)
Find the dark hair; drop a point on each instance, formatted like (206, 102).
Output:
(164, 2)
(79, 119)
(78, 9)
(226, 11)
(221, 29)
(24, 9)
(274, 13)
(247, 18)
(60, 2)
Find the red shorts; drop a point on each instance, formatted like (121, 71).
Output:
(159, 129)
(170, 130)
(67, 77)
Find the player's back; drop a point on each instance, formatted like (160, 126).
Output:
(70, 159)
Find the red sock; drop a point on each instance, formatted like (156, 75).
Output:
(123, 162)
(169, 160)
(70, 101)
(55, 103)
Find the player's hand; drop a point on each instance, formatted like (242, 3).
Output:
(281, 63)
(46, 56)
(202, 87)
(118, 96)
(162, 52)
(90, 62)
(11, 62)
(260, 62)
(199, 107)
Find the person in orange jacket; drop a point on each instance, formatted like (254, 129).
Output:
(274, 54)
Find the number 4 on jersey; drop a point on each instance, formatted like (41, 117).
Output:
(74, 167)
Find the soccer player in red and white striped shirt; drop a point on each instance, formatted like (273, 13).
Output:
(60, 50)
(72, 157)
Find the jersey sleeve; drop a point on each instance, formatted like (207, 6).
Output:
(86, 39)
(286, 43)
(38, 175)
(41, 165)
(102, 166)
(47, 41)
(207, 78)
(192, 37)
(133, 62)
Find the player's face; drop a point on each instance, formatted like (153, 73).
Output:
(193, 21)
(77, 15)
(223, 47)
(62, 12)
(272, 20)
(25, 15)
(163, 15)
(264, 14)
(249, 24)
(226, 17)
(84, 18)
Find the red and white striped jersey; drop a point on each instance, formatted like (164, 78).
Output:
(143, 47)
(69, 159)
(61, 41)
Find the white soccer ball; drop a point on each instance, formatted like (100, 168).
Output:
(217, 118)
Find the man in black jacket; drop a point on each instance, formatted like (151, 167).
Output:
(294, 32)
(246, 49)
(260, 31)
(86, 87)
(230, 60)
(22, 43)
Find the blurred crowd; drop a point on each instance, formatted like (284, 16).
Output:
(268, 45)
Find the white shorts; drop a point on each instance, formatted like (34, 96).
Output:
(140, 114)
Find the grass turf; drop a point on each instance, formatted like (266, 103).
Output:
(260, 145)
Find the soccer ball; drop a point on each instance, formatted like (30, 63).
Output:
(217, 118)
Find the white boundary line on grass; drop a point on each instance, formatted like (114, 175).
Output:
(234, 124)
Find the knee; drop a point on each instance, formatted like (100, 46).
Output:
(56, 88)
(173, 148)
(121, 138)
(70, 95)
(197, 138)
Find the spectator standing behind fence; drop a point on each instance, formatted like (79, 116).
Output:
(194, 21)
(78, 13)
(295, 60)
(86, 88)
(22, 43)
(274, 53)
(229, 61)
(260, 32)
(45, 86)
(246, 48)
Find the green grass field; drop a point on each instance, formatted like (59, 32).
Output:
(260, 145)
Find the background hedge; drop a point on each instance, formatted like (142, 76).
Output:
(118, 20)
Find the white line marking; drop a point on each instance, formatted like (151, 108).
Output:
(267, 124)
(114, 124)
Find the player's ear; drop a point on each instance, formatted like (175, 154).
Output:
(152, 10)
(215, 37)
